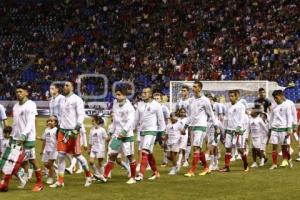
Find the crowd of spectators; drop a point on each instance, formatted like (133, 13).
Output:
(147, 42)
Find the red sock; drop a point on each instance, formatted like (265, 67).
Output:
(38, 175)
(60, 179)
(152, 162)
(227, 159)
(244, 158)
(109, 166)
(88, 174)
(203, 160)
(274, 157)
(133, 169)
(7, 179)
(195, 162)
(144, 162)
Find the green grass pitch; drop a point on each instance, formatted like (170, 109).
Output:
(256, 184)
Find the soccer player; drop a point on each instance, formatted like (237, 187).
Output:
(158, 97)
(55, 101)
(98, 137)
(49, 150)
(3, 124)
(24, 134)
(263, 101)
(173, 136)
(184, 100)
(257, 128)
(200, 112)
(281, 122)
(150, 119)
(68, 138)
(234, 130)
(123, 125)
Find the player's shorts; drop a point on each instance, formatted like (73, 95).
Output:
(147, 142)
(264, 140)
(109, 151)
(29, 154)
(49, 155)
(183, 141)
(213, 139)
(173, 147)
(256, 142)
(281, 138)
(72, 146)
(198, 137)
(100, 154)
(127, 148)
(232, 140)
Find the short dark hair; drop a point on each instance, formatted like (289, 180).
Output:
(122, 89)
(199, 83)
(235, 92)
(98, 119)
(261, 90)
(57, 86)
(277, 93)
(185, 87)
(23, 87)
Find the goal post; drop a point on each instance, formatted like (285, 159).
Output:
(248, 89)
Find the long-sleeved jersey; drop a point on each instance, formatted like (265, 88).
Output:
(149, 117)
(54, 106)
(23, 127)
(281, 116)
(124, 118)
(72, 112)
(294, 111)
(2, 117)
(200, 112)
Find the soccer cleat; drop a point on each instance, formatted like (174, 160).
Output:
(37, 187)
(225, 169)
(69, 171)
(290, 162)
(284, 163)
(273, 167)
(23, 182)
(164, 165)
(178, 168)
(247, 169)
(57, 184)
(49, 181)
(185, 164)
(205, 172)
(298, 159)
(254, 165)
(232, 159)
(131, 181)
(155, 175)
(139, 177)
(173, 171)
(100, 177)
(189, 174)
(79, 171)
(88, 182)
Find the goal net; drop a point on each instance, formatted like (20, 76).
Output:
(248, 89)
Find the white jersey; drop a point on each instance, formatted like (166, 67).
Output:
(174, 132)
(257, 127)
(97, 139)
(54, 106)
(281, 116)
(200, 112)
(24, 121)
(235, 116)
(2, 117)
(166, 113)
(183, 103)
(294, 111)
(123, 121)
(72, 112)
(50, 139)
(149, 116)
